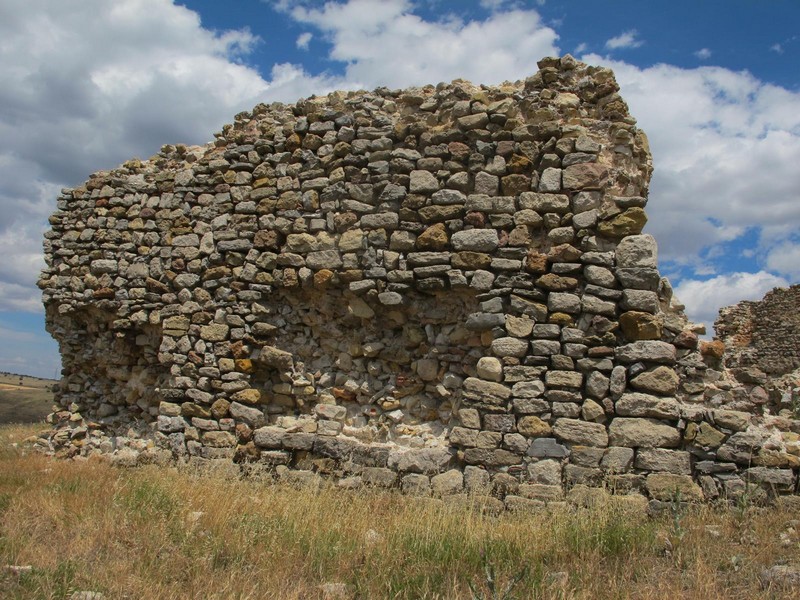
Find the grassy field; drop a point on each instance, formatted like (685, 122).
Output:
(153, 533)
(24, 399)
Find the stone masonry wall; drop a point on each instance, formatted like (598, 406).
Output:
(763, 334)
(444, 289)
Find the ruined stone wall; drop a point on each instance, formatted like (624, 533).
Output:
(444, 289)
(763, 334)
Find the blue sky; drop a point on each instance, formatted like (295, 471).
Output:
(736, 33)
(87, 84)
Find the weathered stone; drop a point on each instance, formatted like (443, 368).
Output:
(545, 472)
(534, 496)
(649, 433)
(462, 436)
(379, 477)
(568, 379)
(491, 458)
(485, 391)
(547, 448)
(731, 419)
(360, 309)
(585, 176)
(433, 238)
(450, 482)
(509, 346)
(215, 332)
(519, 326)
(531, 426)
(617, 459)
(659, 459)
(416, 484)
(490, 368)
(629, 222)
(469, 417)
(423, 182)
(427, 369)
(544, 203)
(247, 396)
(333, 412)
(423, 460)
(636, 404)
(269, 437)
(592, 411)
(660, 380)
(582, 433)
(648, 351)
(704, 435)
(528, 389)
(486, 184)
(637, 251)
(550, 180)
(670, 487)
(276, 358)
(475, 240)
(641, 326)
(324, 259)
(742, 446)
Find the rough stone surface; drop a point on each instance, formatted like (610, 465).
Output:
(440, 289)
(635, 432)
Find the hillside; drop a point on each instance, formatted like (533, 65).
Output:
(24, 399)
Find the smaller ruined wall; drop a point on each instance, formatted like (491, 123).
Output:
(763, 334)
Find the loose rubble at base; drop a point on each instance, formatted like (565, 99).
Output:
(442, 289)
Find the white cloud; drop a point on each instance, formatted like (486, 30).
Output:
(382, 42)
(581, 48)
(87, 85)
(703, 299)
(725, 147)
(303, 40)
(777, 48)
(494, 5)
(627, 39)
(703, 54)
(785, 259)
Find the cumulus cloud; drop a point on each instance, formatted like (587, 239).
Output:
(97, 83)
(725, 146)
(703, 54)
(627, 39)
(785, 259)
(707, 297)
(382, 42)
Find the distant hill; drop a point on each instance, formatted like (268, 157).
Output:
(24, 398)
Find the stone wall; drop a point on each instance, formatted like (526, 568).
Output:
(763, 334)
(443, 289)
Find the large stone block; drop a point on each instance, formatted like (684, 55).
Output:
(635, 404)
(582, 433)
(638, 432)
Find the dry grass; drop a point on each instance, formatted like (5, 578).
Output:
(26, 402)
(159, 533)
